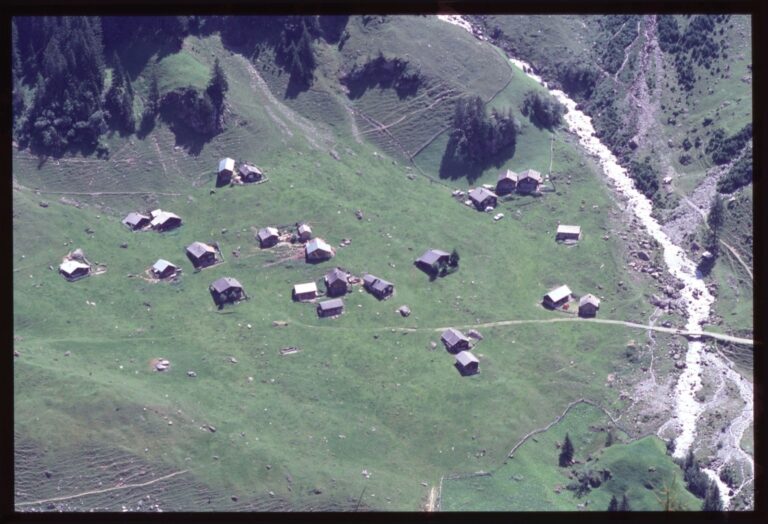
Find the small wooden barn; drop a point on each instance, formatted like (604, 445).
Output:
(201, 255)
(306, 291)
(267, 237)
(454, 340)
(226, 170)
(318, 249)
(467, 363)
(483, 198)
(529, 181)
(588, 305)
(304, 232)
(249, 173)
(431, 260)
(565, 232)
(557, 297)
(378, 287)
(507, 182)
(164, 269)
(165, 221)
(330, 308)
(336, 282)
(135, 221)
(227, 289)
(74, 270)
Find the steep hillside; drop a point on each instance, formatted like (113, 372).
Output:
(370, 413)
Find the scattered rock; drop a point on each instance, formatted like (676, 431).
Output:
(680, 365)
(124, 245)
(432, 344)
(268, 466)
(43, 203)
(212, 429)
(48, 474)
(334, 154)
(233, 360)
(191, 374)
(234, 498)
(642, 255)
(359, 214)
(404, 310)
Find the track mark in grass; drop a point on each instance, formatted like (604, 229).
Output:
(106, 490)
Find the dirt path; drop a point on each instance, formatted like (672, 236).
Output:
(106, 490)
(645, 327)
(736, 254)
(431, 504)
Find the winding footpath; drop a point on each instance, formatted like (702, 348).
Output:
(697, 297)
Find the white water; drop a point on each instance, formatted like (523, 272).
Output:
(697, 298)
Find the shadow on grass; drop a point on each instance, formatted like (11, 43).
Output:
(465, 372)
(453, 168)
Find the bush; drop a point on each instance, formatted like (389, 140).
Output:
(739, 176)
(724, 149)
(645, 177)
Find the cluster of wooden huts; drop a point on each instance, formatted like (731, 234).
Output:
(561, 297)
(245, 174)
(157, 220)
(458, 344)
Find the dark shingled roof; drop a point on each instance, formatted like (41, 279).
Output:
(331, 304)
(198, 249)
(508, 174)
(335, 274)
(479, 194)
(225, 283)
(267, 232)
(381, 285)
(134, 218)
(247, 169)
(432, 256)
(530, 173)
(465, 358)
(453, 336)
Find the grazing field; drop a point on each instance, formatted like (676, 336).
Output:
(366, 408)
(533, 481)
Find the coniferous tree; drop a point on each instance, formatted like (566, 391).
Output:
(712, 501)
(216, 91)
(624, 506)
(613, 505)
(609, 439)
(119, 98)
(453, 261)
(566, 452)
(716, 215)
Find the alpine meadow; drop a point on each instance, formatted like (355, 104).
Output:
(382, 263)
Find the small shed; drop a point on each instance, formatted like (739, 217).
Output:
(306, 291)
(164, 269)
(135, 221)
(378, 287)
(329, 308)
(226, 170)
(249, 173)
(588, 305)
(336, 282)
(483, 198)
(557, 297)
(454, 340)
(74, 270)
(201, 255)
(227, 289)
(267, 236)
(565, 232)
(304, 232)
(507, 182)
(318, 249)
(165, 220)
(431, 260)
(529, 181)
(467, 363)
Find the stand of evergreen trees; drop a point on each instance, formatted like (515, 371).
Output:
(478, 136)
(542, 109)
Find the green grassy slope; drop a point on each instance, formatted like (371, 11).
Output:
(358, 396)
(533, 481)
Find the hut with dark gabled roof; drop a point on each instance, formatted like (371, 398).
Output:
(249, 173)
(165, 221)
(318, 249)
(330, 308)
(201, 255)
(378, 287)
(588, 305)
(304, 232)
(135, 221)
(507, 182)
(467, 363)
(336, 282)
(454, 340)
(483, 198)
(74, 270)
(431, 259)
(529, 181)
(557, 297)
(267, 237)
(164, 269)
(226, 170)
(227, 289)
